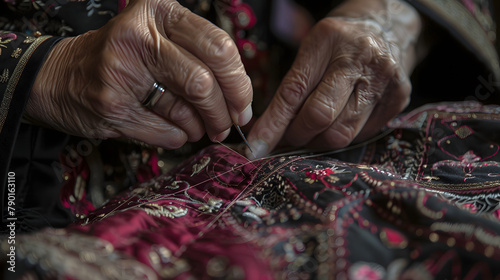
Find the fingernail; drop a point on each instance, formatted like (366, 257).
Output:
(245, 116)
(259, 148)
(222, 136)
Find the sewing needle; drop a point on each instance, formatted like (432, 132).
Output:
(244, 139)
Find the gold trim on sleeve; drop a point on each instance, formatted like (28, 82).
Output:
(14, 79)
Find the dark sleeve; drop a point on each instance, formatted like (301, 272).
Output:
(462, 62)
(471, 23)
(25, 148)
(20, 59)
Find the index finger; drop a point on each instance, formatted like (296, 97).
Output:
(215, 48)
(299, 82)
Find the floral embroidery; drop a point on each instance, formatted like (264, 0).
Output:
(212, 206)
(92, 5)
(296, 222)
(29, 39)
(262, 220)
(5, 76)
(366, 271)
(324, 175)
(169, 211)
(6, 38)
(16, 53)
(199, 166)
(469, 157)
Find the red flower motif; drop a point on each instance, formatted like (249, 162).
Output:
(319, 174)
(366, 271)
(393, 238)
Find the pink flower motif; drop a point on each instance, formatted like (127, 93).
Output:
(470, 206)
(323, 175)
(319, 174)
(393, 238)
(11, 36)
(469, 157)
(73, 194)
(366, 271)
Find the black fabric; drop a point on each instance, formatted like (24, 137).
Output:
(38, 183)
(318, 9)
(75, 15)
(16, 109)
(458, 77)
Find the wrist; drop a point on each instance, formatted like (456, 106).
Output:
(52, 86)
(400, 24)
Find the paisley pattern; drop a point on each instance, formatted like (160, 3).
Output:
(409, 208)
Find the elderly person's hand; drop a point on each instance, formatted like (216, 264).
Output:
(349, 78)
(93, 85)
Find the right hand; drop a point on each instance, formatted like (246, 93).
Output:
(92, 85)
(350, 77)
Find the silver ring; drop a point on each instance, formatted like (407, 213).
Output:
(154, 96)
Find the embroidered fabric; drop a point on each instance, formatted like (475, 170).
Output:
(422, 202)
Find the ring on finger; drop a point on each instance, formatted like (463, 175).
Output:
(155, 95)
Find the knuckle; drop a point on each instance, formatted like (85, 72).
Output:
(278, 118)
(363, 41)
(367, 48)
(266, 133)
(367, 93)
(180, 113)
(342, 136)
(172, 12)
(245, 86)
(294, 88)
(329, 25)
(285, 108)
(222, 46)
(386, 61)
(320, 114)
(199, 84)
(366, 99)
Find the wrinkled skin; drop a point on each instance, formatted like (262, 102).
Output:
(92, 85)
(350, 77)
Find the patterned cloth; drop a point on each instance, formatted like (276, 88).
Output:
(422, 202)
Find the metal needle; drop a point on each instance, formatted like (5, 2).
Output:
(244, 139)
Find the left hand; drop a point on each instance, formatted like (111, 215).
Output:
(93, 85)
(348, 80)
